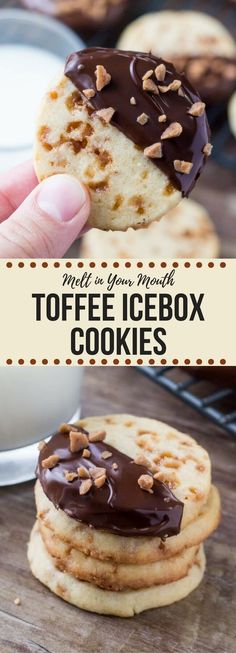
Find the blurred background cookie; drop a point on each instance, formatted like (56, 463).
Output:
(232, 114)
(86, 15)
(196, 42)
(185, 232)
(128, 126)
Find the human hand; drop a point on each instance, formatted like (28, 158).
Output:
(40, 220)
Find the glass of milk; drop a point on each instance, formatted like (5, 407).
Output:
(33, 49)
(33, 403)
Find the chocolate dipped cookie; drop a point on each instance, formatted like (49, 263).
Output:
(130, 127)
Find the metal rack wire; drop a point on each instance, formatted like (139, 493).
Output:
(210, 405)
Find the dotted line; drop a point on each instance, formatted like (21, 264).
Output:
(115, 361)
(116, 264)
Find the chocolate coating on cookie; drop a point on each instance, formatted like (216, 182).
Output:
(119, 505)
(131, 96)
(214, 77)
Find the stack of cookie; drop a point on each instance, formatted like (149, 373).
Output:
(123, 506)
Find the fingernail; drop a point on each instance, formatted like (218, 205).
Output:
(61, 197)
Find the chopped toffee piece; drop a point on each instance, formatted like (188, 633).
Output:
(162, 118)
(41, 445)
(174, 130)
(97, 436)
(106, 454)
(99, 482)
(83, 472)
(110, 499)
(146, 482)
(85, 486)
(77, 441)
(51, 461)
(142, 119)
(197, 109)
(183, 166)
(106, 114)
(96, 472)
(102, 77)
(86, 453)
(89, 93)
(131, 89)
(150, 86)
(154, 151)
(160, 72)
(207, 150)
(70, 476)
(148, 74)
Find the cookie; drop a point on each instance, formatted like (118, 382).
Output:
(170, 34)
(122, 550)
(89, 597)
(185, 232)
(128, 126)
(110, 576)
(87, 15)
(112, 495)
(198, 45)
(232, 114)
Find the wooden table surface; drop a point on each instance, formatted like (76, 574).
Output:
(202, 623)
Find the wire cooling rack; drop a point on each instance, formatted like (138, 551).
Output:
(216, 404)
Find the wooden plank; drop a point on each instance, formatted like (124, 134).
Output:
(202, 623)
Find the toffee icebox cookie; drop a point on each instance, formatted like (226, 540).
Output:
(197, 44)
(130, 127)
(123, 506)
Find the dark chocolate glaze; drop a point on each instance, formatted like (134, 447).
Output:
(120, 506)
(214, 77)
(126, 70)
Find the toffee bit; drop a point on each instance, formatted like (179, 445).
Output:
(70, 476)
(183, 166)
(141, 459)
(42, 445)
(148, 74)
(142, 119)
(174, 130)
(115, 466)
(86, 453)
(50, 462)
(150, 86)
(82, 472)
(197, 109)
(99, 482)
(102, 77)
(207, 150)
(173, 86)
(106, 454)
(66, 428)
(160, 72)
(162, 118)
(146, 482)
(181, 92)
(96, 472)
(77, 441)
(97, 436)
(85, 486)
(17, 601)
(106, 114)
(153, 151)
(89, 93)
(132, 100)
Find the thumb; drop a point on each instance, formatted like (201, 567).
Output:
(48, 221)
